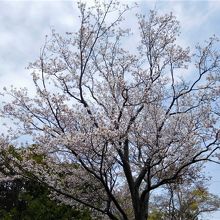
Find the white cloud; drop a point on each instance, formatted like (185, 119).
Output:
(23, 26)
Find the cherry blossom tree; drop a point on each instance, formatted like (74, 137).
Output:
(110, 125)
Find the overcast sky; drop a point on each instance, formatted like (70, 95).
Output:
(24, 24)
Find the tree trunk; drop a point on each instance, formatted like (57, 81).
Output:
(142, 208)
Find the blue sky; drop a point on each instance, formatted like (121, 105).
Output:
(24, 24)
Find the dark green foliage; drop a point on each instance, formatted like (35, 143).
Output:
(27, 200)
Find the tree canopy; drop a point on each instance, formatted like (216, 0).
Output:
(183, 201)
(23, 199)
